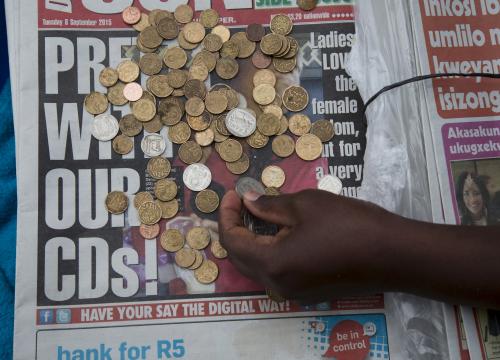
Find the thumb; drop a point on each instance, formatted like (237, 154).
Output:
(278, 209)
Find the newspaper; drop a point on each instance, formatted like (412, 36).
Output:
(88, 286)
(464, 117)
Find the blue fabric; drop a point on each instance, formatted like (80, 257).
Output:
(8, 201)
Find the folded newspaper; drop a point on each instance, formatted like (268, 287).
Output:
(90, 286)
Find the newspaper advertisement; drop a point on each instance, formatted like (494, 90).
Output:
(464, 116)
(88, 284)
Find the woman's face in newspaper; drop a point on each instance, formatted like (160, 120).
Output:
(472, 198)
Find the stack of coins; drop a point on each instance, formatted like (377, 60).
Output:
(176, 97)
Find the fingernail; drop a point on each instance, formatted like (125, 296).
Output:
(251, 195)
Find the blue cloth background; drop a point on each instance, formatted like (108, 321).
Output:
(8, 202)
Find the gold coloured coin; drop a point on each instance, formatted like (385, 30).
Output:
(299, 124)
(283, 146)
(96, 103)
(209, 18)
(207, 273)
(195, 106)
(194, 32)
(195, 88)
(230, 150)
(190, 152)
(115, 94)
(207, 201)
(271, 44)
(167, 29)
(183, 14)
(284, 65)
(205, 137)
(175, 57)
(168, 208)
(268, 124)
(247, 47)
(216, 102)
(206, 58)
(307, 5)
(170, 112)
(212, 42)
(281, 24)
(294, 48)
(165, 190)
(142, 197)
(142, 24)
(177, 78)
(218, 137)
(222, 31)
(116, 202)
(158, 85)
(220, 123)
(273, 176)
(295, 98)
(159, 167)
(198, 238)
(283, 125)
(272, 191)
(122, 144)
(239, 166)
(217, 250)
(264, 76)
(227, 68)
(128, 71)
(198, 261)
(200, 123)
(185, 257)
(153, 126)
(198, 72)
(179, 133)
(257, 140)
(108, 77)
(323, 129)
(273, 109)
(230, 49)
(264, 94)
(149, 213)
(308, 147)
(144, 110)
(150, 64)
(183, 43)
(172, 240)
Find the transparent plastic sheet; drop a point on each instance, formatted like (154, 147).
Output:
(398, 176)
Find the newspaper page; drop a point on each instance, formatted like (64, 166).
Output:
(88, 285)
(464, 37)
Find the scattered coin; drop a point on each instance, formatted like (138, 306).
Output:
(144, 110)
(149, 232)
(272, 191)
(197, 177)
(132, 91)
(323, 129)
(108, 77)
(142, 197)
(168, 208)
(217, 250)
(295, 98)
(240, 123)
(205, 137)
(261, 60)
(209, 18)
(149, 213)
(230, 150)
(283, 146)
(194, 32)
(165, 190)
(104, 127)
(185, 257)
(172, 240)
(207, 273)
(128, 71)
(330, 183)
(307, 5)
(268, 124)
(308, 147)
(255, 32)
(216, 102)
(190, 152)
(131, 15)
(222, 31)
(198, 261)
(281, 24)
(239, 166)
(198, 238)
(122, 144)
(183, 14)
(179, 133)
(226, 68)
(299, 124)
(96, 103)
(115, 94)
(246, 184)
(207, 201)
(130, 126)
(153, 145)
(116, 202)
(273, 176)
(175, 57)
(264, 94)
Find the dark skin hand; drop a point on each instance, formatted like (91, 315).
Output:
(331, 246)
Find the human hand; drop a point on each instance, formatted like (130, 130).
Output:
(326, 246)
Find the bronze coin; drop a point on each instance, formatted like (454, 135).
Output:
(255, 32)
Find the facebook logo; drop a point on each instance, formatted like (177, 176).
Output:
(63, 316)
(46, 316)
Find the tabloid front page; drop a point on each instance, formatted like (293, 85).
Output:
(88, 285)
(464, 37)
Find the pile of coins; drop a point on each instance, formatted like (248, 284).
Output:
(176, 97)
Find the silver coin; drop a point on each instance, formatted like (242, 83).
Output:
(153, 145)
(104, 127)
(197, 177)
(330, 183)
(241, 123)
(246, 184)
